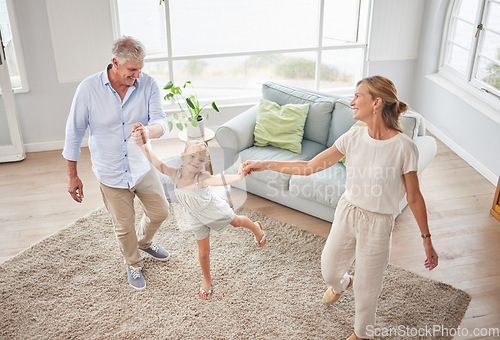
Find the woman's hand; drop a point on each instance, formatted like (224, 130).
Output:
(431, 261)
(248, 167)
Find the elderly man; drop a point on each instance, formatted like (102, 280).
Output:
(111, 104)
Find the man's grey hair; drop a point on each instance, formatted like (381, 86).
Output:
(128, 49)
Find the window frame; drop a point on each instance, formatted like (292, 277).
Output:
(467, 80)
(17, 48)
(362, 33)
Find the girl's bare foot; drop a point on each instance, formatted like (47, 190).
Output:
(205, 290)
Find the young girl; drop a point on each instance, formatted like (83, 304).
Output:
(208, 211)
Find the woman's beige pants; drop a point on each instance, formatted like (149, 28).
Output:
(120, 204)
(363, 236)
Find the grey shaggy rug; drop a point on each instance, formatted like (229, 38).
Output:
(73, 285)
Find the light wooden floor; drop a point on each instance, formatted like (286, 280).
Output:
(34, 204)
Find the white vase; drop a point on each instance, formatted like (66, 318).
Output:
(196, 131)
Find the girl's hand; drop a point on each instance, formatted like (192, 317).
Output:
(242, 172)
(242, 167)
(431, 261)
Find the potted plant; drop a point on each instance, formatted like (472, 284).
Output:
(190, 116)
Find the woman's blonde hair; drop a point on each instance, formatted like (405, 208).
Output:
(383, 88)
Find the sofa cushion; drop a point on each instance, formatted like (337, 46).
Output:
(324, 187)
(341, 120)
(320, 111)
(277, 179)
(410, 122)
(280, 126)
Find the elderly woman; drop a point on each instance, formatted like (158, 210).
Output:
(381, 164)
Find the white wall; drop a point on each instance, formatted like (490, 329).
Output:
(90, 51)
(401, 72)
(44, 109)
(460, 124)
(394, 42)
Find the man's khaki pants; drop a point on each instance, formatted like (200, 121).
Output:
(120, 204)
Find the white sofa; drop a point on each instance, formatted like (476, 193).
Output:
(328, 118)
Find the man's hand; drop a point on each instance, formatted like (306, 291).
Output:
(140, 134)
(75, 189)
(75, 185)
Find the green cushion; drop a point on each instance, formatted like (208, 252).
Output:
(319, 117)
(280, 126)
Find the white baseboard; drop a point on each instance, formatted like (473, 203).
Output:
(466, 156)
(47, 146)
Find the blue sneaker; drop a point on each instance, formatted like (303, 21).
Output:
(157, 252)
(135, 278)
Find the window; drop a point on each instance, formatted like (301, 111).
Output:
(12, 46)
(472, 46)
(228, 48)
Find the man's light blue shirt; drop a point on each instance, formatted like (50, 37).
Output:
(116, 161)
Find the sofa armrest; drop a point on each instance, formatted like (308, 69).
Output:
(427, 149)
(237, 134)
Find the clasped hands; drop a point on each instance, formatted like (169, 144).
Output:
(140, 134)
(248, 167)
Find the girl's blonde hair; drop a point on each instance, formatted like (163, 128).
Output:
(199, 144)
(383, 88)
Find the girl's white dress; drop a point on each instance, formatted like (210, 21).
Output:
(208, 211)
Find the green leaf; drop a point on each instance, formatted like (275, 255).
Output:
(190, 103)
(194, 100)
(176, 116)
(179, 126)
(169, 96)
(188, 82)
(194, 122)
(170, 126)
(169, 85)
(215, 107)
(207, 116)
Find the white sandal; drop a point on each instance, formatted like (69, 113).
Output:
(263, 240)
